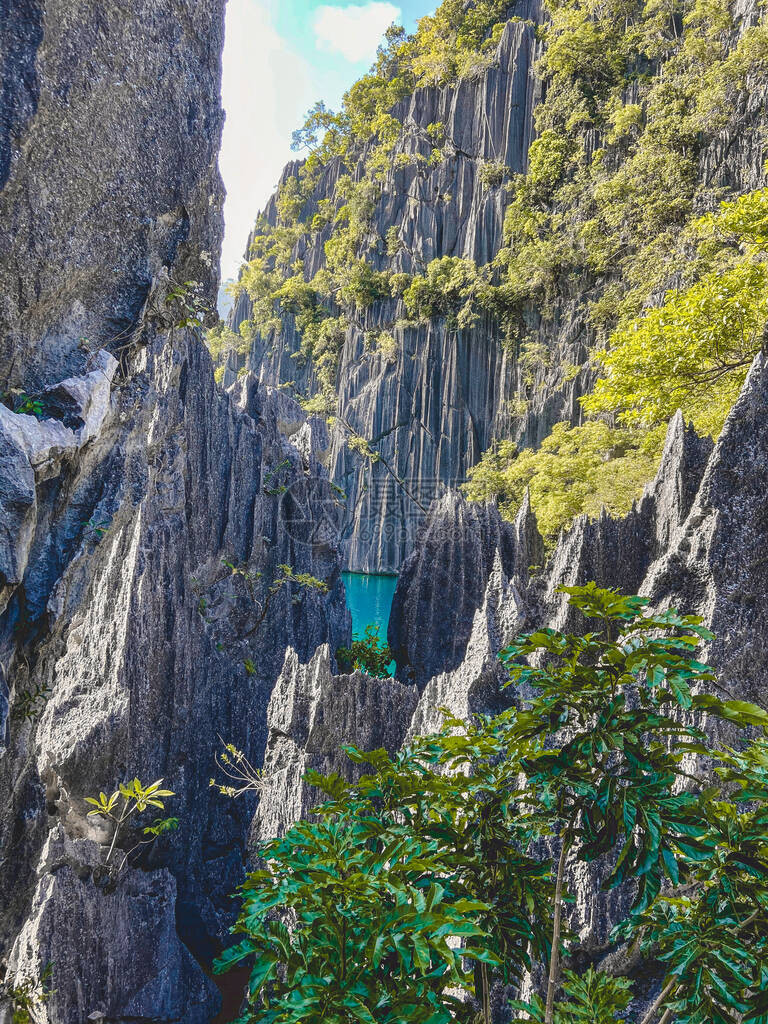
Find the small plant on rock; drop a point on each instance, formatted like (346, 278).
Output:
(28, 405)
(136, 798)
(27, 997)
(370, 654)
(241, 775)
(185, 305)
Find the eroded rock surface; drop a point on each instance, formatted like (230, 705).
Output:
(312, 713)
(110, 122)
(145, 972)
(150, 542)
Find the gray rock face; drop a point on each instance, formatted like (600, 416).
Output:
(464, 547)
(312, 713)
(110, 121)
(715, 563)
(145, 973)
(148, 647)
(151, 524)
(35, 452)
(444, 581)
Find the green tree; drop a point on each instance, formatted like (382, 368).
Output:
(379, 890)
(577, 470)
(437, 856)
(612, 700)
(712, 933)
(693, 352)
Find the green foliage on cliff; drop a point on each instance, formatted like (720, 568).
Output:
(220, 341)
(370, 654)
(451, 43)
(634, 95)
(27, 997)
(635, 92)
(454, 42)
(577, 470)
(433, 871)
(693, 352)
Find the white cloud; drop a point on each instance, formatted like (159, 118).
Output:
(266, 88)
(354, 31)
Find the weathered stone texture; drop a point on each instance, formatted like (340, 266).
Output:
(110, 122)
(434, 405)
(115, 948)
(127, 646)
(312, 714)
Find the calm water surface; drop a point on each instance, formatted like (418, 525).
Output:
(369, 599)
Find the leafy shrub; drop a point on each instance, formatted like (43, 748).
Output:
(448, 288)
(694, 351)
(576, 471)
(594, 998)
(369, 654)
(443, 841)
(29, 405)
(492, 173)
(220, 340)
(136, 798)
(27, 997)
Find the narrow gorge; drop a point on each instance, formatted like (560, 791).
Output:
(424, 303)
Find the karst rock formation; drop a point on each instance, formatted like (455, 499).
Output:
(162, 535)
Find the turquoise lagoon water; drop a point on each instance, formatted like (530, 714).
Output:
(369, 599)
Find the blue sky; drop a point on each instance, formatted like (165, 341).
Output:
(280, 56)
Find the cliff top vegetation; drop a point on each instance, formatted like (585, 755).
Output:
(617, 216)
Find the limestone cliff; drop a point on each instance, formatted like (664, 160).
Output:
(433, 401)
(152, 525)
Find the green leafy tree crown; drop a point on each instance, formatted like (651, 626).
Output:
(434, 873)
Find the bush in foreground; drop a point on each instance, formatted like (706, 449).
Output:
(433, 873)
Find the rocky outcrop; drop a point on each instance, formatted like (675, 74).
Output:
(467, 557)
(144, 971)
(312, 714)
(444, 582)
(157, 551)
(715, 563)
(36, 451)
(145, 646)
(109, 134)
